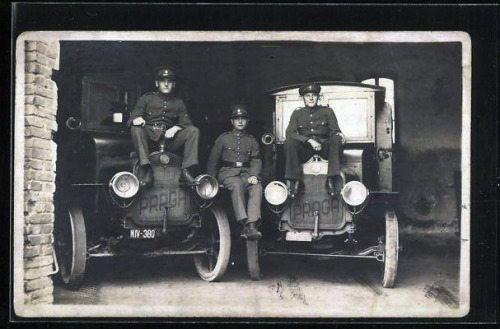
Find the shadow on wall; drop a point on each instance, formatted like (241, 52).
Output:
(430, 187)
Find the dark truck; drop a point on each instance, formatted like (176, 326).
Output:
(101, 211)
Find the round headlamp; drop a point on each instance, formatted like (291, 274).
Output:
(354, 193)
(276, 193)
(207, 187)
(267, 139)
(124, 184)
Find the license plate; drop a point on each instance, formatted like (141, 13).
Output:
(142, 233)
(298, 236)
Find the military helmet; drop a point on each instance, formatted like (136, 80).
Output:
(239, 111)
(165, 72)
(309, 88)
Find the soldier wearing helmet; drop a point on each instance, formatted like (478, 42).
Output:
(162, 117)
(235, 161)
(312, 129)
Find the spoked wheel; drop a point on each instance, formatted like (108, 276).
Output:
(71, 246)
(253, 260)
(216, 237)
(391, 249)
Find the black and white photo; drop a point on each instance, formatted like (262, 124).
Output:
(242, 174)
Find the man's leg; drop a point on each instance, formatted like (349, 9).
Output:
(250, 230)
(254, 202)
(140, 140)
(295, 152)
(236, 186)
(334, 147)
(187, 139)
(334, 182)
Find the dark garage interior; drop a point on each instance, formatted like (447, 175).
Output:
(214, 75)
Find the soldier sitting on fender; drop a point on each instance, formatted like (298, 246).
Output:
(237, 155)
(313, 129)
(162, 117)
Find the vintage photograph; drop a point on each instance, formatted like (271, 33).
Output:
(248, 174)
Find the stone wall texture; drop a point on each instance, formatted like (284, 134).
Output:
(40, 105)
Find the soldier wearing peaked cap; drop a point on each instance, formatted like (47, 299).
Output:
(309, 88)
(313, 128)
(235, 161)
(161, 117)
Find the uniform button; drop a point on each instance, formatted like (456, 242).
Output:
(310, 115)
(312, 129)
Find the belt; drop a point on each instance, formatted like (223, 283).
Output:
(158, 125)
(237, 164)
(318, 136)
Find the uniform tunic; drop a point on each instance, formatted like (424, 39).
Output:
(233, 159)
(162, 112)
(318, 123)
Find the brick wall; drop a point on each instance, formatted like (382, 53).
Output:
(41, 59)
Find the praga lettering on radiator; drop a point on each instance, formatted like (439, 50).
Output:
(157, 202)
(324, 207)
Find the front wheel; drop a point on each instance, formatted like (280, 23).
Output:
(391, 249)
(71, 246)
(253, 260)
(216, 238)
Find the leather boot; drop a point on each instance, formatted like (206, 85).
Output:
(299, 186)
(338, 184)
(291, 187)
(145, 175)
(250, 231)
(330, 186)
(294, 187)
(187, 178)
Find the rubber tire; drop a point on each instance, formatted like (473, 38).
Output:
(224, 248)
(72, 273)
(391, 249)
(253, 260)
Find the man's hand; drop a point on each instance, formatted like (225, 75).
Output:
(314, 144)
(170, 133)
(253, 180)
(344, 140)
(139, 121)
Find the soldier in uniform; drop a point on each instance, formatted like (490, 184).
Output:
(313, 128)
(235, 161)
(161, 117)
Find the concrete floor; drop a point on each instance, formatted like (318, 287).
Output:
(427, 286)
